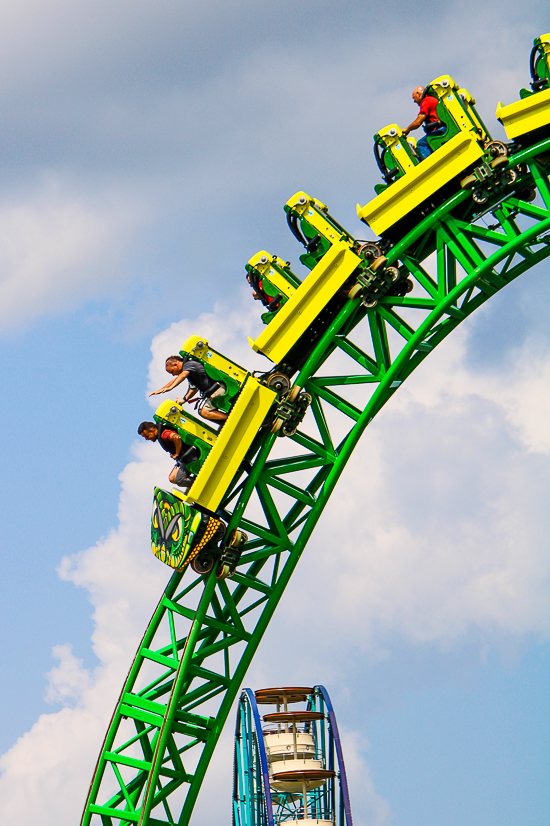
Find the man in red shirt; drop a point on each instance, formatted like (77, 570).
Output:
(426, 116)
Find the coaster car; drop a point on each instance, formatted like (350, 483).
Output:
(181, 535)
(528, 120)
(193, 432)
(395, 154)
(272, 281)
(412, 187)
(341, 268)
(232, 444)
(311, 225)
(218, 368)
(539, 64)
(248, 401)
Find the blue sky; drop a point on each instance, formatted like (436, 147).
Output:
(147, 153)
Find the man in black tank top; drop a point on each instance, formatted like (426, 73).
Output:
(199, 382)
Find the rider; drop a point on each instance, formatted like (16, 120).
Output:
(171, 442)
(426, 116)
(199, 381)
(272, 302)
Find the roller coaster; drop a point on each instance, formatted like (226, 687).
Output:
(237, 533)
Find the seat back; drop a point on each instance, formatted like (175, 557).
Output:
(232, 445)
(456, 110)
(312, 226)
(218, 368)
(192, 432)
(394, 153)
(540, 63)
(273, 280)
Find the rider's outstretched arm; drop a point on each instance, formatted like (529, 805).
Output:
(171, 384)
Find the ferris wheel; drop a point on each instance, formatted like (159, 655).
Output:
(288, 764)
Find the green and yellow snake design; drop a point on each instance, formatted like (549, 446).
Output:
(174, 528)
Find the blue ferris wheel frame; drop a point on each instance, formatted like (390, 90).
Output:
(252, 798)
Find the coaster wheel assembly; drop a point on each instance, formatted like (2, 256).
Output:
(279, 382)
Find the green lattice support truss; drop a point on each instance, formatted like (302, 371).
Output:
(203, 634)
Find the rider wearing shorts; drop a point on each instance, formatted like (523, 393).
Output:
(199, 382)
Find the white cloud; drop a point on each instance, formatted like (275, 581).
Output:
(367, 806)
(68, 680)
(523, 394)
(57, 250)
(191, 135)
(438, 526)
(47, 772)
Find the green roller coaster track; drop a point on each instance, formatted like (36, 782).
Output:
(204, 633)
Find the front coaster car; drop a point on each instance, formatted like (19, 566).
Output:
(181, 535)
